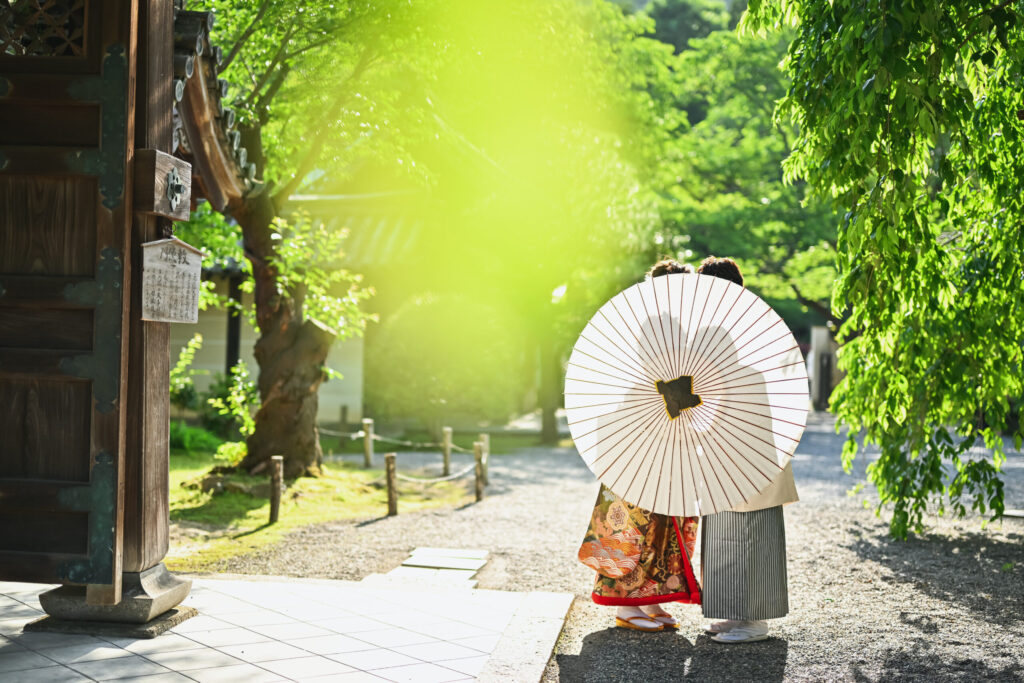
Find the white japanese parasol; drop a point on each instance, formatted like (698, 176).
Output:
(686, 394)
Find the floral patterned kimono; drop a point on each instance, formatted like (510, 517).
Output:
(641, 558)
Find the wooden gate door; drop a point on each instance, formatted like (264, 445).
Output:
(67, 79)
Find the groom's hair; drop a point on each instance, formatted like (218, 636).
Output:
(721, 267)
(667, 266)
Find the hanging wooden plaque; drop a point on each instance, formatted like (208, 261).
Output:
(170, 281)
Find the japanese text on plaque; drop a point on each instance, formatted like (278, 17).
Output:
(170, 281)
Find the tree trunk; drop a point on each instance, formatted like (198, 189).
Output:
(550, 387)
(291, 353)
(291, 361)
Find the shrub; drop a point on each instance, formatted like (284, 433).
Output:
(230, 453)
(192, 438)
(230, 403)
(184, 395)
(443, 358)
(239, 401)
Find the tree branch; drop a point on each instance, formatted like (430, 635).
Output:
(324, 128)
(815, 306)
(270, 70)
(309, 46)
(1003, 5)
(785, 138)
(245, 35)
(262, 108)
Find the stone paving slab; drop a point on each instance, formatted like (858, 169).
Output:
(425, 579)
(268, 629)
(465, 553)
(438, 562)
(452, 575)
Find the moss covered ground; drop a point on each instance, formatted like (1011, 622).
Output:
(209, 527)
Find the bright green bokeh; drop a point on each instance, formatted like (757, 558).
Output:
(536, 155)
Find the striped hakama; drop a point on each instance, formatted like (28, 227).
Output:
(743, 562)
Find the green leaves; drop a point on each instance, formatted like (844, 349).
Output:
(907, 125)
(183, 390)
(240, 402)
(309, 260)
(729, 197)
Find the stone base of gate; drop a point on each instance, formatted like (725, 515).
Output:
(114, 629)
(145, 597)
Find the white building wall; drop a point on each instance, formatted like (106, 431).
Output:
(346, 357)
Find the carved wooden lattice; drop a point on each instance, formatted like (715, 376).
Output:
(42, 28)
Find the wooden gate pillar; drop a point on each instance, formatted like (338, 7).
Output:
(85, 87)
(147, 443)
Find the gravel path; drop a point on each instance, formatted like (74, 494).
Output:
(531, 520)
(947, 606)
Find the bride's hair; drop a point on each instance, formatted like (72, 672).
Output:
(667, 266)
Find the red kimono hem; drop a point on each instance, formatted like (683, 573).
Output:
(686, 598)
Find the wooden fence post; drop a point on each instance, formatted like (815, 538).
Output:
(367, 442)
(389, 473)
(446, 450)
(485, 439)
(478, 455)
(276, 475)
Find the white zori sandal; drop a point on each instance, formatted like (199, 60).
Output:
(639, 624)
(742, 632)
(633, 618)
(656, 613)
(716, 627)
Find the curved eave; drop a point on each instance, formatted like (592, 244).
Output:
(202, 122)
(222, 179)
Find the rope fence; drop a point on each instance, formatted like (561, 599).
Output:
(481, 453)
(331, 432)
(398, 442)
(435, 480)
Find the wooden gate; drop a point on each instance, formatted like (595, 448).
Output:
(67, 93)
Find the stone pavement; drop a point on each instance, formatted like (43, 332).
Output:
(257, 629)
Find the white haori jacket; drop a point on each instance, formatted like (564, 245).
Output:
(781, 491)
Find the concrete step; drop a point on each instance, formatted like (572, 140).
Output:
(435, 562)
(434, 568)
(462, 553)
